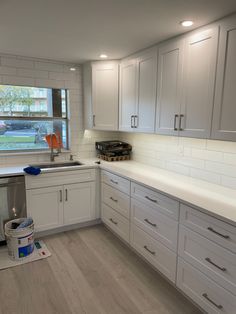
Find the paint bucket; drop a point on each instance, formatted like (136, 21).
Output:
(20, 242)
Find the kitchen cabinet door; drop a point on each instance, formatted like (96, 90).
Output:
(169, 87)
(79, 202)
(105, 95)
(224, 114)
(45, 206)
(199, 80)
(147, 78)
(128, 94)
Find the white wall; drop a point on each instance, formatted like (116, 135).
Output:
(43, 73)
(213, 161)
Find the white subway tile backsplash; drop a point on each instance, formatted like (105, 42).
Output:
(205, 175)
(17, 62)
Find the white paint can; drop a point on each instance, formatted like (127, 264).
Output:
(20, 242)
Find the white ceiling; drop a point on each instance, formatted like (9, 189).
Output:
(79, 30)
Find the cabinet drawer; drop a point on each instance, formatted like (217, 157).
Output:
(205, 292)
(208, 226)
(157, 225)
(210, 258)
(116, 222)
(59, 177)
(117, 182)
(116, 199)
(157, 254)
(163, 203)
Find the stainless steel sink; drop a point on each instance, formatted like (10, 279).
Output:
(58, 164)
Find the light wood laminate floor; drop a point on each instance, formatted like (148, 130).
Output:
(90, 272)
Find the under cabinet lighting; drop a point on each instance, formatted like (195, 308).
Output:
(186, 23)
(73, 69)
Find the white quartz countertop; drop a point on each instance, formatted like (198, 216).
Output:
(214, 199)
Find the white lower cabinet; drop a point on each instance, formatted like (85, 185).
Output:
(65, 204)
(204, 291)
(45, 206)
(192, 249)
(116, 222)
(157, 254)
(79, 202)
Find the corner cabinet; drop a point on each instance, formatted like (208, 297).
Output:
(224, 114)
(101, 95)
(138, 92)
(52, 205)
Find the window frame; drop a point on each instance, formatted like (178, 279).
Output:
(27, 118)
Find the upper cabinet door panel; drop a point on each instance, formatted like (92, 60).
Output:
(147, 80)
(105, 95)
(170, 63)
(128, 94)
(224, 114)
(199, 80)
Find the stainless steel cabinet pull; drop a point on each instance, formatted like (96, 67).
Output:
(60, 195)
(114, 200)
(136, 121)
(212, 263)
(180, 122)
(220, 307)
(66, 198)
(151, 199)
(94, 120)
(131, 122)
(114, 181)
(175, 128)
(147, 249)
(218, 233)
(114, 222)
(149, 222)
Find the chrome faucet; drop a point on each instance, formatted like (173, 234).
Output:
(54, 154)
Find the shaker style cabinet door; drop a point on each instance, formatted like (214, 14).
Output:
(128, 94)
(224, 114)
(79, 202)
(105, 95)
(169, 86)
(147, 80)
(45, 206)
(198, 87)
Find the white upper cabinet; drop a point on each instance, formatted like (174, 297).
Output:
(198, 86)
(138, 92)
(224, 114)
(186, 76)
(169, 86)
(128, 94)
(101, 95)
(146, 102)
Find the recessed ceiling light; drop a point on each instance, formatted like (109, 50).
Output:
(103, 56)
(73, 69)
(186, 23)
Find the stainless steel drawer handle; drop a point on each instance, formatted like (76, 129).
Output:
(150, 223)
(114, 222)
(147, 249)
(212, 263)
(115, 182)
(60, 195)
(220, 307)
(151, 199)
(218, 233)
(114, 200)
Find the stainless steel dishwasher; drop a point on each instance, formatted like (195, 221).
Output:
(12, 201)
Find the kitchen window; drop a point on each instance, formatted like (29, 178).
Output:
(28, 114)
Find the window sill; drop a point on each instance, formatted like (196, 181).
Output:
(14, 153)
